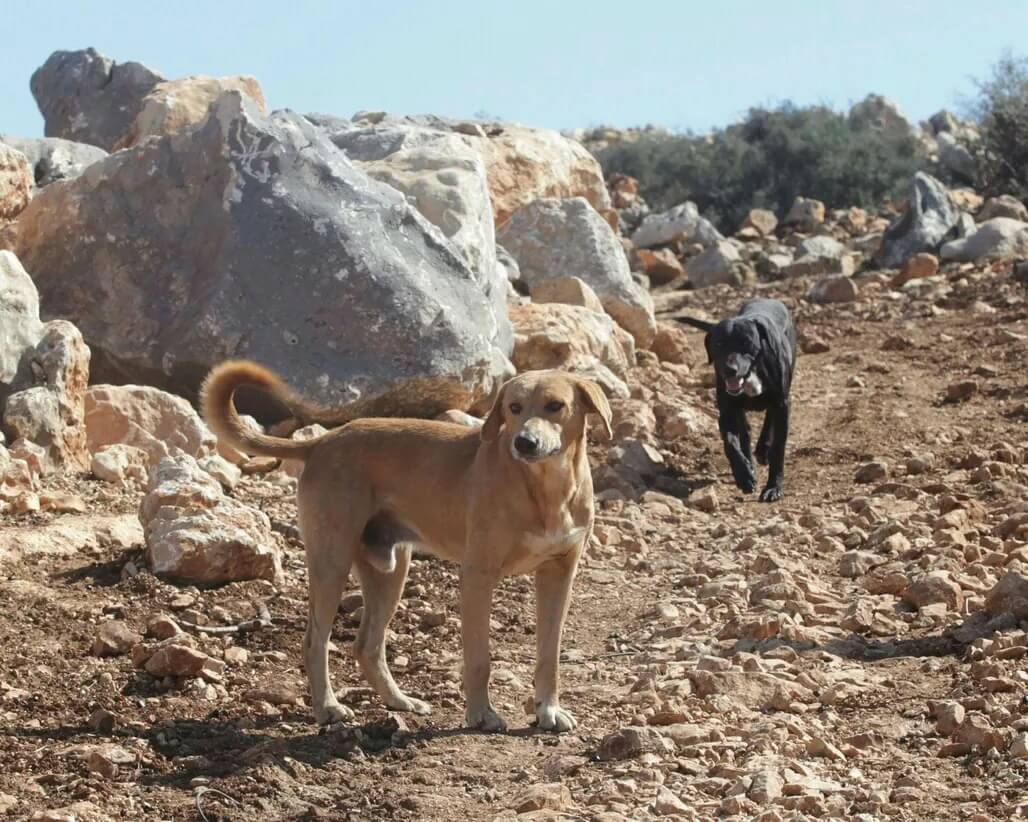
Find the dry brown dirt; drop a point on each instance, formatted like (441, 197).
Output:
(721, 633)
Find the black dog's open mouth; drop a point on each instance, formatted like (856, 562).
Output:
(734, 384)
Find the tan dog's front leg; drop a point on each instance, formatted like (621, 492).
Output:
(552, 597)
(476, 598)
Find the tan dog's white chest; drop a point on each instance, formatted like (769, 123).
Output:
(538, 547)
(552, 543)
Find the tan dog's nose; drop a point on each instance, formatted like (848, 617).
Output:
(526, 444)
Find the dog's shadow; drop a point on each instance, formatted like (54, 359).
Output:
(213, 748)
(675, 482)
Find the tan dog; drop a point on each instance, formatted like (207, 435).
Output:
(515, 497)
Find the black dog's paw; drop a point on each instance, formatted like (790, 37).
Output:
(746, 484)
(772, 493)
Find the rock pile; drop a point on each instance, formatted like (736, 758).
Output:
(678, 248)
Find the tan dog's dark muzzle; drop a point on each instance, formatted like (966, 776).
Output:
(537, 440)
(526, 446)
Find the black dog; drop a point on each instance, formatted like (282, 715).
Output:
(754, 355)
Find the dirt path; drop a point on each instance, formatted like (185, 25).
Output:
(765, 676)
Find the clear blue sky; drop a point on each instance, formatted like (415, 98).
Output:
(556, 63)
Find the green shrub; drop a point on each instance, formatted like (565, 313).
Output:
(767, 160)
(1001, 110)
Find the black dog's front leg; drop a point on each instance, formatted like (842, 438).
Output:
(735, 432)
(778, 418)
(764, 440)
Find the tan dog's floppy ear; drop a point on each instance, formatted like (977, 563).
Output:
(596, 402)
(491, 427)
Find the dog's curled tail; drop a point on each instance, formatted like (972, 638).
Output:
(703, 325)
(219, 410)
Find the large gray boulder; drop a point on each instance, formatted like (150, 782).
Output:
(552, 238)
(1000, 238)
(89, 98)
(683, 222)
(442, 172)
(447, 182)
(54, 159)
(929, 217)
(253, 236)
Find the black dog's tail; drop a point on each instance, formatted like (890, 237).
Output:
(703, 325)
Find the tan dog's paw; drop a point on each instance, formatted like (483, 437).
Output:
(333, 713)
(485, 719)
(554, 718)
(410, 704)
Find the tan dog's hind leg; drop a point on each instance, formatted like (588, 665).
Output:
(382, 591)
(331, 542)
(476, 597)
(552, 597)
(326, 588)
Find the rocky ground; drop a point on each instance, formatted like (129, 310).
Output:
(838, 654)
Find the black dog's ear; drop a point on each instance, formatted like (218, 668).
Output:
(709, 347)
(774, 354)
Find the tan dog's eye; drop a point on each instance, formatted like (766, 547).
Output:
(554, 406)
(515, 408)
